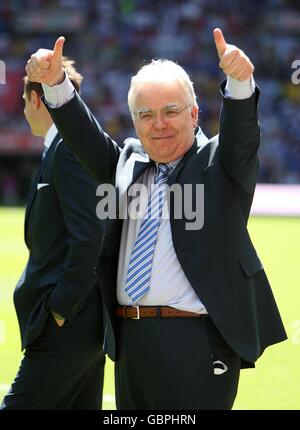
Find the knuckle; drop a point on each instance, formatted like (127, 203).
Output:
(237, 55)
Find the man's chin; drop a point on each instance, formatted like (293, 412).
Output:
(162, 158)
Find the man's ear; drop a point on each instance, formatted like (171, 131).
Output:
(195, 111)
(35, 99)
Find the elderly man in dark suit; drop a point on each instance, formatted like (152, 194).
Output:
(57, 299)
(188, 304)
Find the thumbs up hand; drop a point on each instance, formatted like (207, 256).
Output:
(45, 66)
(233, 61)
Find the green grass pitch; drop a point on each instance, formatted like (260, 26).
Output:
(274, 384)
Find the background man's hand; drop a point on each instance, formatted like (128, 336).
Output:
(58, 319)
(45, 66)
(233, 61)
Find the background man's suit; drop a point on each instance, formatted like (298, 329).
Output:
(219, 260)
(63, 366)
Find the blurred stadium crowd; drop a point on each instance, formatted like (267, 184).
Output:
(110, 39)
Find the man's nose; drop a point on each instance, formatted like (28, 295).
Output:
(159, 121)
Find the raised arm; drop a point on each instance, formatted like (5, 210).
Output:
(80, 130)
(239, 135)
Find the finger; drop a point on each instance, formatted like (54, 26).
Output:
(245, 76)
(219, 41)
(243, 73)
(27, 70)
(34, 72)
(235, 68)
(44, 63)
(30, 70)
(34, 65)
(58, 48)
(228, 59)
(244, 70)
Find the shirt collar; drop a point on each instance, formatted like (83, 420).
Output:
(172, 164)
(51, 133)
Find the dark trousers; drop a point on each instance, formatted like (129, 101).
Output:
(174, 363)
(64, 367)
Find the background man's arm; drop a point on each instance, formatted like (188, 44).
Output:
(76, 192)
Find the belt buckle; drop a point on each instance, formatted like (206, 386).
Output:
(137, 313)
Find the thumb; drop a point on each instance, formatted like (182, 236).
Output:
(219, 41)
(58, 49)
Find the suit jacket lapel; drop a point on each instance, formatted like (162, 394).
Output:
(199, 143)
(135, 166)
(36, 179)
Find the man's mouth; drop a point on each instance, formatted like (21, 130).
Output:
(161, 137)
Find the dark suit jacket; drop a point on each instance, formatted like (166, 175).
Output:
(62, 234)
(219, 260)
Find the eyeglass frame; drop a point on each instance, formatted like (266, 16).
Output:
(145, 110)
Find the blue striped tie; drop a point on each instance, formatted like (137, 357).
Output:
(140, 265)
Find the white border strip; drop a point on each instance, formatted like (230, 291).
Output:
(276, 200)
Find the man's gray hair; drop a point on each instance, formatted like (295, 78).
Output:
(161, 71)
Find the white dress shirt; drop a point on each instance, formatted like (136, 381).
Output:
(50, 135)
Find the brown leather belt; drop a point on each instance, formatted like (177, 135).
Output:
(137, 312)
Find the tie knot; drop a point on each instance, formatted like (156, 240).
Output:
(162, 172)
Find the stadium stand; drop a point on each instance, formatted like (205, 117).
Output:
(110, 40)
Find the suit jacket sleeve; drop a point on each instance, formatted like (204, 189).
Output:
(76, 191)
(81, 132)
(239, 140)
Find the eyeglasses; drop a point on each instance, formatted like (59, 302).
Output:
(167, 112)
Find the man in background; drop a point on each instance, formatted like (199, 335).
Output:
(57, 298)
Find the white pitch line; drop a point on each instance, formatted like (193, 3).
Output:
(4, 387)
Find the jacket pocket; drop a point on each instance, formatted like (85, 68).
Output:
(251, 264)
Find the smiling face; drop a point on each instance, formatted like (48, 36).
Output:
(165, 139)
